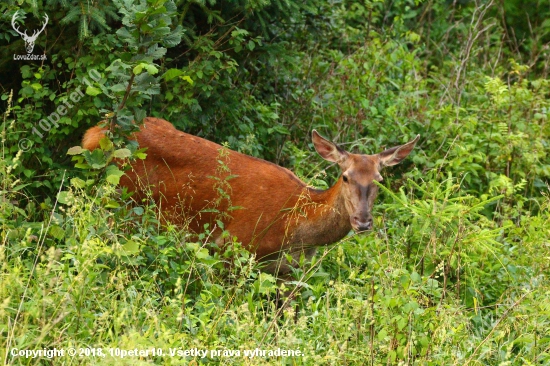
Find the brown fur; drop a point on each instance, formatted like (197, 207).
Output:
(277, 211)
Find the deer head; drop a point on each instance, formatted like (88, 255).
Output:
(29, 40)
(359, 172)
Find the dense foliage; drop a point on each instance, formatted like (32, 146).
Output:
(456, 270)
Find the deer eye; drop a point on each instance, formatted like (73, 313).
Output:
(345, 178)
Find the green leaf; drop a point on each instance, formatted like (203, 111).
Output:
(155, 52)
(75, 150)
(279, 129)
(19, 187)
(57, 232)
(174, 38)
(139, 115)
(113, 174)
(120, 87)
(140, 155)
(96, 159)
(122, 153)
(26, 71)
(78, 183)
(192, 246)
(93, 91)
(112, 204)
(63, 197)
(105, 143)
(82, 166)
(187, 78)
(138, 69)
(151, 69)
(131, 247)
(202, 253)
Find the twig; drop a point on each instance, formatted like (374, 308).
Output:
(504, 316)
(121, 105)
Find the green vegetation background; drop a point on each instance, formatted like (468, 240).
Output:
(456, 270)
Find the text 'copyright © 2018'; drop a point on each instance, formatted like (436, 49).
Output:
(153, 352)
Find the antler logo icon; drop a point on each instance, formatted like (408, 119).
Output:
(29, 40)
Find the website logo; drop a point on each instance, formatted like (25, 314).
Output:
(29, 40)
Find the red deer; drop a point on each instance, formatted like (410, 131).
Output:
(275, 212)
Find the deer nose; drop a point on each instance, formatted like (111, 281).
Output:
(361, 225)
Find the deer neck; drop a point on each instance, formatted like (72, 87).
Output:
(324, 218)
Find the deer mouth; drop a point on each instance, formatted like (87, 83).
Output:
(360, 225)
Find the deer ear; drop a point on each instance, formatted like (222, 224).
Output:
(396, 154)
(328, 149)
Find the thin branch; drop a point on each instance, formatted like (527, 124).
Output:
(504, 316)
